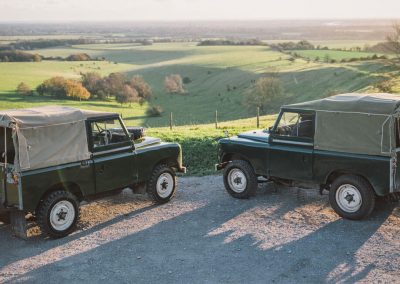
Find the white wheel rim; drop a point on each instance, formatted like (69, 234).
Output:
(165, 185)
(237, 180)
(62, 215)
(349, 198)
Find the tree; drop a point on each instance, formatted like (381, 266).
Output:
(263, 92)
(114, 83)
(75, 90)
(140, 85)
(95, 84)
(393, 41)
(174, 84)
(63, 88)
(127, 95)
(24, 90)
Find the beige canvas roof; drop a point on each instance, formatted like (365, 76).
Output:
(378, 103)
(46, 115)
(48, 136)
(354, 123)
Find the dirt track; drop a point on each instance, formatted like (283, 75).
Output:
(204, 235)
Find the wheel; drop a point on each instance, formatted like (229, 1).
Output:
(352, 197)
(5, 218)
(162, 184)
(58, 214)
(240, 180)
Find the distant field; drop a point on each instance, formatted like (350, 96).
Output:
(333, 54)
(212, 69)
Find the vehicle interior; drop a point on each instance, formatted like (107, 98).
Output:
(107, 132)
(296, 125)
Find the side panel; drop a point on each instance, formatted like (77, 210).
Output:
(35, 183)
(253, 151)
(291, 162)
(375, 169)
(148, 157)
(115, 170)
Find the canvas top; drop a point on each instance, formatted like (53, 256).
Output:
(379, 103)
(46, 116)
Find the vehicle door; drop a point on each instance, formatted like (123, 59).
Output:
(291, 140)
(113, 154)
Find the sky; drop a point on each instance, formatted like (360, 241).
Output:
(186, 10)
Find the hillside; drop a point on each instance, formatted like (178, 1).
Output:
(219, 74)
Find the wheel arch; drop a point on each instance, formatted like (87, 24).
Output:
(235, 156)
(72, 187)
(333, 175)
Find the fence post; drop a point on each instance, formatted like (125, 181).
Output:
(170, 121)
(258, 117)
(216, 119)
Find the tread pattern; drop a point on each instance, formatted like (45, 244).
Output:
(152, 183)
(366, 191)
(42, 214)
(248, 170)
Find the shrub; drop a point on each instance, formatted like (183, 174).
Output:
(18, 56)
(154, 111)
(174, 84)
(187, 80)
(24, 90)
(63, 88)
(140, 85)
(127, 95)
(78, 57)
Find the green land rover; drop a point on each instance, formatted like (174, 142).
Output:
(348, 144)
(54, 157)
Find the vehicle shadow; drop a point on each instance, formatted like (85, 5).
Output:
(181, 249)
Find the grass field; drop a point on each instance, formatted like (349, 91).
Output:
(211, 70)
(332, 54)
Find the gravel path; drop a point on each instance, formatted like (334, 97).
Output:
(205, 236)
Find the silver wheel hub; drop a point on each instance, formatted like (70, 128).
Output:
(237, 180)
(165, 185)
(348, 197)
(62, 215)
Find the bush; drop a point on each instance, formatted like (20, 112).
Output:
(127, 95)
(174, 84)
(154, 111)
(24, 90)
(187, 80)
(63, 88)
(140, 85)
(78, 57)
(18, 56)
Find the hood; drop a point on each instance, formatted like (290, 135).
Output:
(256, 135)
(147, 141)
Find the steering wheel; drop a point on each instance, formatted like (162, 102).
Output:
(107, 135)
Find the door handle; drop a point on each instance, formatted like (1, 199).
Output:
(101, 170)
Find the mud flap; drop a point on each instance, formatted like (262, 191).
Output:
(18, 224)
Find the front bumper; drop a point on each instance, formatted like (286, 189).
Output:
(182, 170)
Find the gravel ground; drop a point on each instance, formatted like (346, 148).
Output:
(205, 236)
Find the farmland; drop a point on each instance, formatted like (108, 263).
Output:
(219, 76)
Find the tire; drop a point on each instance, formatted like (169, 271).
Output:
(162, 184)
(240, 179)
(5, 218)
(352, 197)
(58, 214)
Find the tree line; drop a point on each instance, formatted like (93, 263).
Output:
(21, 56)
